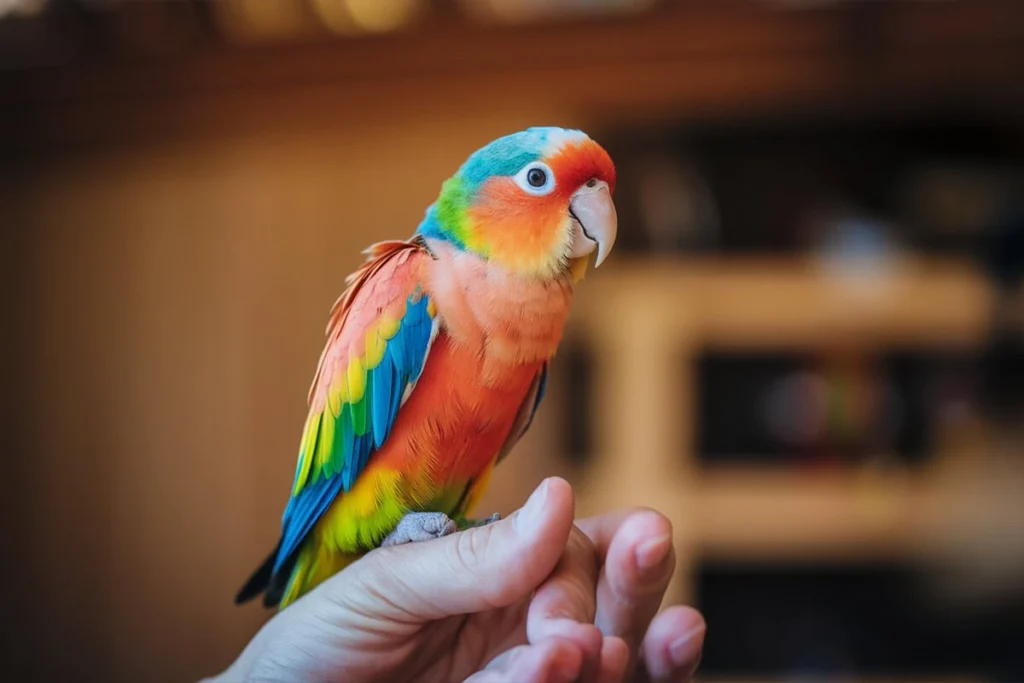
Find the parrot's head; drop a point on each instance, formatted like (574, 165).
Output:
(537, 202)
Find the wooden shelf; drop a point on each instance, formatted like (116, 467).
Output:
(642, 317)
(758, 303)
(763, 513)
(778, 513)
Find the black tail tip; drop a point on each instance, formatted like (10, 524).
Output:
(258, 582)
(247, 593)
(243, 596)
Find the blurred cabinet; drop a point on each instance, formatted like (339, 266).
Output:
(647, 324)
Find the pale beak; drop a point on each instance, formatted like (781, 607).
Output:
(595, 222)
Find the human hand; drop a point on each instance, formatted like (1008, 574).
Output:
(528, 598)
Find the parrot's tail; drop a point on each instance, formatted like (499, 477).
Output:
(264, 579)
(299, 574)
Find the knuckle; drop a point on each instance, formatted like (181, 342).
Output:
(479, 554)
(469, 548)
(582, 554)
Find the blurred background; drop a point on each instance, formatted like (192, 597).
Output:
(807, 348)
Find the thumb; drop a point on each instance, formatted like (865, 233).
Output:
(478, 569)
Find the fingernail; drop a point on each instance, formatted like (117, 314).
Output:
(529, 517)
(681, 649)
(650, 554)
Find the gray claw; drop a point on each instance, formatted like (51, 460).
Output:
(471, 523)
(420, 526)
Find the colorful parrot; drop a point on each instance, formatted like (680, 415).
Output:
(437, 355)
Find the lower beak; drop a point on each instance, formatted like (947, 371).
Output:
(595, 222)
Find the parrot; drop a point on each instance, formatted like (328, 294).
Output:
(436, 356)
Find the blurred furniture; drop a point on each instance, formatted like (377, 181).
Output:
(645, 321)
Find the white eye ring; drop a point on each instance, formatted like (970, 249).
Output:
(531, 174)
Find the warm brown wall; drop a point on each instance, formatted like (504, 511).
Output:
(175, 299)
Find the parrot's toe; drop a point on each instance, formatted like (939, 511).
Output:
(471, 523)
(420, 526)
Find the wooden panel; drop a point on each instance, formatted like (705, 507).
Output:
(764, 303)
(682, 61)
(758, 513)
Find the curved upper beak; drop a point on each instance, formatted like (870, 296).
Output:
(595, 222)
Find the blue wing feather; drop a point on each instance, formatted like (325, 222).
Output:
(382, 386)
(302, 513)
(402, 362)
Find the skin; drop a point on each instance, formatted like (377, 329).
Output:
(584, 608)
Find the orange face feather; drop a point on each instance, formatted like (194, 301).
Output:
(531, 234)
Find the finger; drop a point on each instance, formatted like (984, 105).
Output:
(638, 565)
(564, 605)
(601, 528)
(479, 569)
(614, 660)
(550, 661)
(672, 649)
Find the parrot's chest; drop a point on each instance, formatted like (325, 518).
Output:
(496, 332)
(473, 409)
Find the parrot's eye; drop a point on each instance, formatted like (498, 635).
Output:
(536, 178)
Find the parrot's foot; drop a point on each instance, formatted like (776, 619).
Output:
(420, 526)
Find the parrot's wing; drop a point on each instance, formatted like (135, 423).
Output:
(379, 336)
(524, 418)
